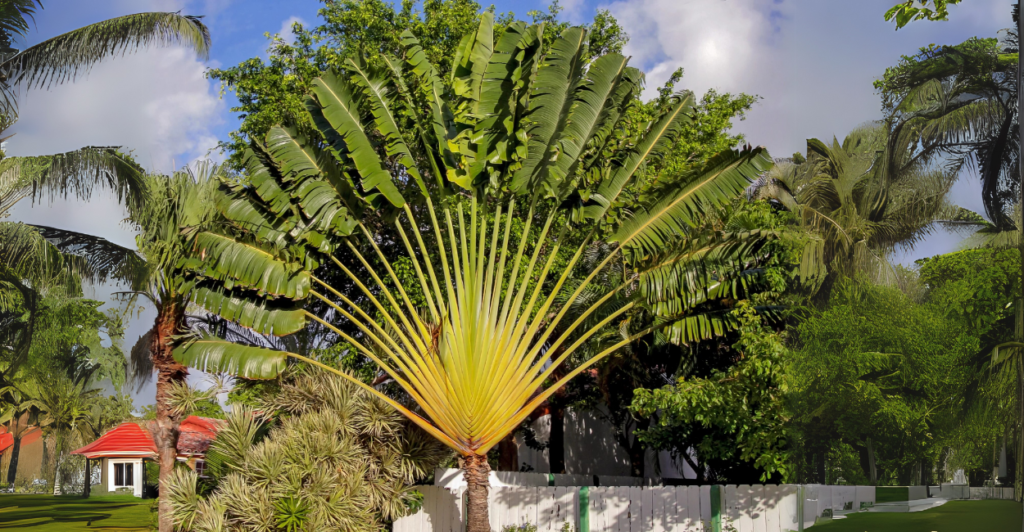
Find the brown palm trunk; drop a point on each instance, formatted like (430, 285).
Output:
(476, 471)
(165, 430)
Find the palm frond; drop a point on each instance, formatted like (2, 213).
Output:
(76, 174)
(63, 58)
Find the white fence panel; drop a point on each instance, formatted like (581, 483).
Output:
(705, 508)
(789, 509)
(759, 508)
(863, 494)
(770, 505)
(844, 498)
(810, 504)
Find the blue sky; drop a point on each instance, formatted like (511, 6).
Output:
(811, 61)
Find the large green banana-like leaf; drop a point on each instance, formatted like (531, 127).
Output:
(249, 266)
(658, 139)
(467, 301)
(249, 313)
(218, 356)
(723, 178)
(340, 109)
(551, 100)
(471, 60)
(376, 90)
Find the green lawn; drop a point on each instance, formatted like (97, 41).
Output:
(955, 516)
(46, 513)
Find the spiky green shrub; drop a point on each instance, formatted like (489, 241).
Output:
(334, 458)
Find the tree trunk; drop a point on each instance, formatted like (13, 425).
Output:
(508, 454)
(995, 461)
(12, 468)
(556, 442)
(476, 471)
(872, 472)
(165, 429)
(821, 468)
(637, 451)
(88, 480)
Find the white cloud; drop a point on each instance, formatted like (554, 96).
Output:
(812, 61)
(156, 103)
(286, 28)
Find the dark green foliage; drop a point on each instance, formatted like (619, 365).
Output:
(736, 413)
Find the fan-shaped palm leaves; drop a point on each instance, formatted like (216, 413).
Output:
(440, 179)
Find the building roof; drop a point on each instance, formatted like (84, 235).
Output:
(126, 439)
(132, 440)
(196, 434)
(6, 440)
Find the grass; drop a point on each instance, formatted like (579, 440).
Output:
(954, 516)
(46, 513)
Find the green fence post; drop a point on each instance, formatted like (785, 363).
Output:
(716, 508)
(584, 509)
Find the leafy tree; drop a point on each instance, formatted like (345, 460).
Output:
(64, 412)
(357, 461)
(485, 158)
(881, 373)
(743, 405)
(911, 10)
(272, 92)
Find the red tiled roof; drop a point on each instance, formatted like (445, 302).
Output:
(6, 440)
(197, 433)
(127, 439)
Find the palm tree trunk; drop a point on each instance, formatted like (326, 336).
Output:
(168, 321)
(477, 473)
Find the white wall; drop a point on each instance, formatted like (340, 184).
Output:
(137, 472)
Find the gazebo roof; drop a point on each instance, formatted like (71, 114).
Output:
(125, 440)
(131, 440)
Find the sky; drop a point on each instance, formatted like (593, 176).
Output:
(812, 62)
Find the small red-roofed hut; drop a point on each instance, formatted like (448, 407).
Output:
(124, 450)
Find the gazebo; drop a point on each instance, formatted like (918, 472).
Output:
(123, 451)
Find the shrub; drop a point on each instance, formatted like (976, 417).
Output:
(335, 458)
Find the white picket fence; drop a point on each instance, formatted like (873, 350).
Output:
(642, 509)
(992, 493)
(453, 479)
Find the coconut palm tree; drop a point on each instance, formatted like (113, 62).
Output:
(858, 212)
(179, 206)
(31, 255)
(523, 140)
